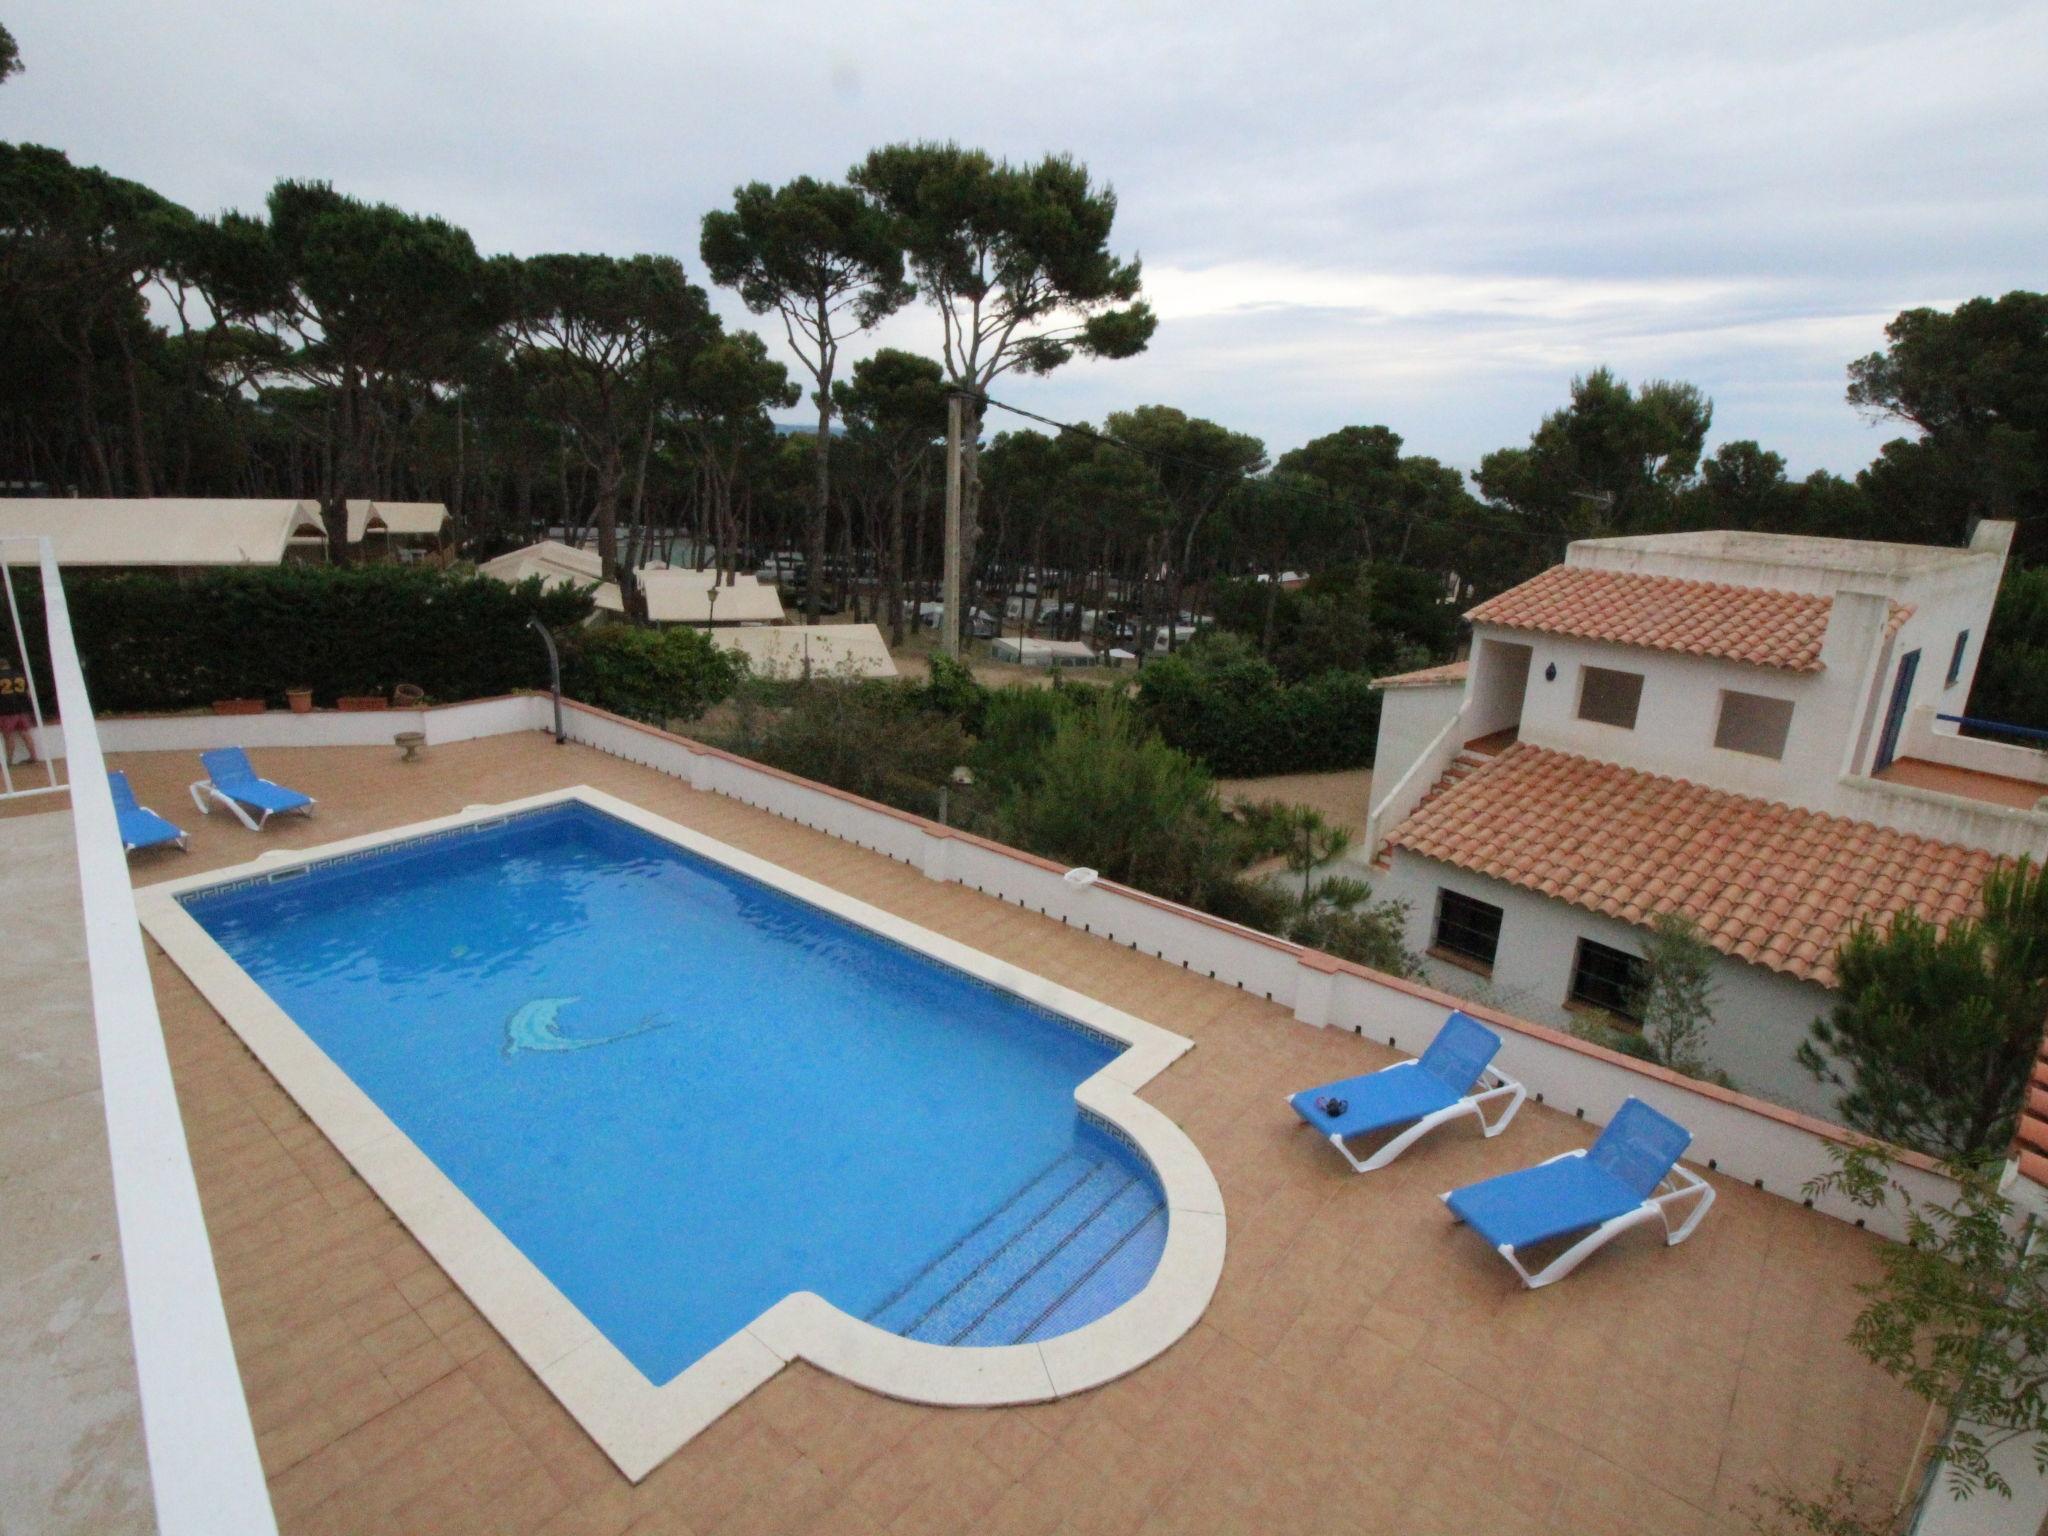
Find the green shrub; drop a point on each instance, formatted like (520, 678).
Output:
(873, 739)
(951, 690)
(1111, 795)
(1261, 904)
(1018, 723)
(1368, 935)
(1933, 1030)
(158, 642)
(655, 675)
(1217, 700)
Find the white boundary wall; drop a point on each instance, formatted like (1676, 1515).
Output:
(1935, 741)
(321, 728)
(205, 1476)
(1772, 1148)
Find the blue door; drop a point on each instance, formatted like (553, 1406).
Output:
(1895, 716)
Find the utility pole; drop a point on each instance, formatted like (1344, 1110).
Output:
(949, 622)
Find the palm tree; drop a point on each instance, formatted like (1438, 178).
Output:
(1311, 842)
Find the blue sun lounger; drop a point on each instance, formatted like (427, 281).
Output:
(140, 826)
(232, 782)
(1629, 1176)
(1428, 1092)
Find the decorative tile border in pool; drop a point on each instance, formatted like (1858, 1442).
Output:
(640, 1425)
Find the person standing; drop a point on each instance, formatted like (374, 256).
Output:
(17, 712)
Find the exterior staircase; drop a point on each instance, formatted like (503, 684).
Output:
(1070, 1245)
(1469, 760)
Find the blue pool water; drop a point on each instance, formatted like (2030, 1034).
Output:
(685, 1095)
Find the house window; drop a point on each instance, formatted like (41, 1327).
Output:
(1466, 928)
(1753, 723)
(1608, 697)
(1608, 979)
(1955, 661)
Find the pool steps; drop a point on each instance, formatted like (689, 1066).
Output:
(1074, 1242)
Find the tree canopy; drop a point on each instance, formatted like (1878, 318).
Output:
(1973, 382)
(1612, 461)
(605, 333)
(829, 262)
(1934, 1030)
(1017, 264)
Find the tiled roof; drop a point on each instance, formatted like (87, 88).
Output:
(2032, 1150)
(1760, 625)
(1428, 677)
(1766, 883)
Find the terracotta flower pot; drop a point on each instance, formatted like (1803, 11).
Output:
(239, 706)
(300, 699)
(362, 703)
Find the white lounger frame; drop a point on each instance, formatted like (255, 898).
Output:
(1679, 1185)
(179, 842)
(203, 789)
(1494, 1085)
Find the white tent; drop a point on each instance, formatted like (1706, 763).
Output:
(829, 650)
(557, 564)
(701, 576)
(674, 595)
(398, 519)
(684, 597)
(165, 531)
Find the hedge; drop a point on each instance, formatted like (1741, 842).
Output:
(1219, 702)
(149, 642)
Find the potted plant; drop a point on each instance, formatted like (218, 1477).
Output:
(362, 702)
(239, 706)
(300, 699)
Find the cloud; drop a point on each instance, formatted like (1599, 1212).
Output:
(1430, 216)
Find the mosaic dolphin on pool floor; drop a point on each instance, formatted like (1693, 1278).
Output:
(535, 1026)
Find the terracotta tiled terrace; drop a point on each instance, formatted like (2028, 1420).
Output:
(1365, 1366)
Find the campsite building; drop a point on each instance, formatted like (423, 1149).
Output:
(1756, 732)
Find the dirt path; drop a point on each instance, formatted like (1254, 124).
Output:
(1344, 797)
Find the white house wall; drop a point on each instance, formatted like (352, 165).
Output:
(1410, 719)
(1951, 591)
(1760, 1017)
(1681, 705)
(1501, 664)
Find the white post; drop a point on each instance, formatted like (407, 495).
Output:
(206, 1478)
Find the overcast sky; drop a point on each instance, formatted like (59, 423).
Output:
(1429, 216)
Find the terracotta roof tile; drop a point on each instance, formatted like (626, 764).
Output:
(1428, 677)
(1759, 625)
(1764, 882)
(2031, 1145)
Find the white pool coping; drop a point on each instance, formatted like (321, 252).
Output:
(638, 1424)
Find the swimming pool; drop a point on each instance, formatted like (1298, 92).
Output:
(690, 1090)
